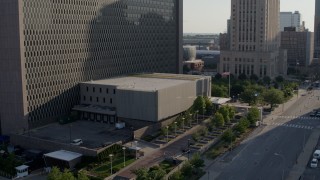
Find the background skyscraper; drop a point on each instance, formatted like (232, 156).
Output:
(254, 39)
(48, 46)
(317, 30)
(289, 19)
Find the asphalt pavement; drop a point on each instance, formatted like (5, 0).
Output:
(282, 144)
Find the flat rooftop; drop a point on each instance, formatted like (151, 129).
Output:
(147, 82)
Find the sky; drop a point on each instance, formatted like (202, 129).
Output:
(210, 16)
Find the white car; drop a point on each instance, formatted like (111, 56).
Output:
(76, 142)
(314, 163)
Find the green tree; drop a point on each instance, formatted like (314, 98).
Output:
(157, 173)
(82, 176)
(253, 115)
(232, 112)
(218, 120)
(273, 97)
(199, 104)
(209, 105)
(67, 175)
(242, 77)
(218, 76)
(219, 91)
(141, 173)
(176, 176)
(242, 126)
(249, 96)
(228, 136)
(266, 80)
(186, 169)
(279, 79)
(196, 161)
(254, 78)
(55, 174)
(224, 110)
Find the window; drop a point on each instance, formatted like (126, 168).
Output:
(97, 99)
(94, 89)
(107, 91)
(90, 98)
(84, 98)
(100, 90)
(110, 100)
(87, 88)
(114, 91)
(104, 100)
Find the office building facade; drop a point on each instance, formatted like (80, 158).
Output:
(254, 39)
(299, 46)
(317, 30)
(289, 19)
(47, 47)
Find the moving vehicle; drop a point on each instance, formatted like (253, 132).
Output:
(314, 163)
(76, 142)
(316, 154)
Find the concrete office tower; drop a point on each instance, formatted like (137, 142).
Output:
(299, 46)
(48, 46)
(254, 39)
(289, 19)
(317, 30)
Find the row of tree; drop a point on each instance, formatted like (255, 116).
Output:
(56, 174)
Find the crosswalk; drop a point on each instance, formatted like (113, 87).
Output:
(292, 125)
(299, 117)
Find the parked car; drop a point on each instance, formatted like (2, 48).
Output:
(76, 142)
(316, 154)
(314, 163)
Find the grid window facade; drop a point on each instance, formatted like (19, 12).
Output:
(71, 41)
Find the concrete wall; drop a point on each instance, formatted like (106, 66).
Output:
(140, 105)
(175, 99)
(12, 79)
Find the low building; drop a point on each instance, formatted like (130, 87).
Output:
(142, 98)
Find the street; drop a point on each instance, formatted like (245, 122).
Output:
(273, 149)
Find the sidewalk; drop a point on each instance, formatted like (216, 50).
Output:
(158, 155)
(304, 157)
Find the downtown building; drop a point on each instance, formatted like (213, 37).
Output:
(317, 30)
(299, 46)
(47, 47)
(254, 40)
(289, 19)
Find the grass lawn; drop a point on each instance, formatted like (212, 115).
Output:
(117, 164)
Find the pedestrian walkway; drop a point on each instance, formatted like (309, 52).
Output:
(304, 157)
(291, 125)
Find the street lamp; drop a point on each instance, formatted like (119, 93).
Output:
(111, 155)
(183, 123)
(283, 160)
(124, 156)
(175, 129)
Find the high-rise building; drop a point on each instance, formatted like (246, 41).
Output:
(299, 46)
(48, 46)
(289, 19)
(317, 30)
(254, 40)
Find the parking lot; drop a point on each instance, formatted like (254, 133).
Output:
(93, 134)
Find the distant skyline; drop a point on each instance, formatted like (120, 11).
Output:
(210, 16)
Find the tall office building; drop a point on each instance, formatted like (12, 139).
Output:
(289, 19)
(317, 30)
(254, 39)
(299, 46)
(48, 46)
